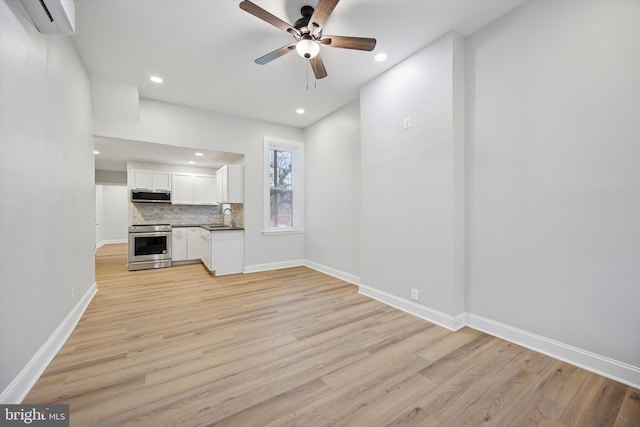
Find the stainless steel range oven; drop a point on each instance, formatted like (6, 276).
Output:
(149, 246)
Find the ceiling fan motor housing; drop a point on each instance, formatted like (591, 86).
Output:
(302, 24)
(306, 11)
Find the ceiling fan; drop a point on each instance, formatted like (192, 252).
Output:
(307, 32)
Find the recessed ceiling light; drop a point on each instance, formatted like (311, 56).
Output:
(380, 57)
(199, 154)
(96, 152)
(156, 79)
(192, 163)
(300, 111)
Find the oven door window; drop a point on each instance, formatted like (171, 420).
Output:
(150, 245)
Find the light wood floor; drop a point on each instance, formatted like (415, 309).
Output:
(178, 346)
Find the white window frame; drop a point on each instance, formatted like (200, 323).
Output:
(297, 148)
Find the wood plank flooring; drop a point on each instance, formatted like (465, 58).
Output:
(292, 347)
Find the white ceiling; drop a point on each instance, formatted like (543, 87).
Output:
(204, 49)
(115, 153)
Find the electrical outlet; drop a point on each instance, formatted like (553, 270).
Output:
(73, 293)
(407, 122)
(414, 294)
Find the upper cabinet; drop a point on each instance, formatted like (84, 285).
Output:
(204, 190)
(186, 188)
(193, 189)
(182, 192)
(230, 185)
(151, 180)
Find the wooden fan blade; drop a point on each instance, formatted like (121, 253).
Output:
(275, 54)
(357, 43)
(321, 14)
(259, 12)
(318, 67)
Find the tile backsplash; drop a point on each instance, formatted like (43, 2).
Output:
(164, 213)
(237, 209)
(160, 213)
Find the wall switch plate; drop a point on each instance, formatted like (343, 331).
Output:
(407, 122)
(73, 293)
(414, 294)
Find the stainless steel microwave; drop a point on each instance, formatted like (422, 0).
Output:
(146, 196)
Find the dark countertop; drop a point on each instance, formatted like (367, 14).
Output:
(210, 227)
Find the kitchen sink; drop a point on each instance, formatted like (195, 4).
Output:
(216, 226)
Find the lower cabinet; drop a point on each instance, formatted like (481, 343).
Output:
(205, 247)
(193, 243)
(178, 244)
(185, 244)
(221, 251)
(227, 252)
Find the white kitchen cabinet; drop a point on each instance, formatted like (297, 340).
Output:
(227, 252)
(142, 180)
(151, 180)
(221, 251)
(182, 191)
(161, 181)
(185, 244)
(205, 247)
(230, 184)
(204, 190)
(193, 189)
(178, 244)
(193, 243)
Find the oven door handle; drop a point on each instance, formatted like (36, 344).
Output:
(151, 234)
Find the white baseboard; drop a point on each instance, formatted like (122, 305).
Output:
(347, 277)
(601, 365)
(453, 323)
(272, 266)
(26, 379)
(109, 242)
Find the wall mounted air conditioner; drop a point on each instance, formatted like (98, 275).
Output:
(52, 16)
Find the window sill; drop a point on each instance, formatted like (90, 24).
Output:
(277, 231)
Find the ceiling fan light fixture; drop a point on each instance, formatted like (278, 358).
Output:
(307, 48)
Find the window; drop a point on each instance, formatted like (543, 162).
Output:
(280, 188)
(283, 185)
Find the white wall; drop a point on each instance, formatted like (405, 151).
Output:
(172, 124)
(554, 132)
(99, 216)
(413, 180)
(47, 192)
(113, 214)
(332, 193)
(111, 177)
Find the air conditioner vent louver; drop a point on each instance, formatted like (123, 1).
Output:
(46, 9)
(52, 16)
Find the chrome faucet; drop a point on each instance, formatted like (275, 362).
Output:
(230, 212)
